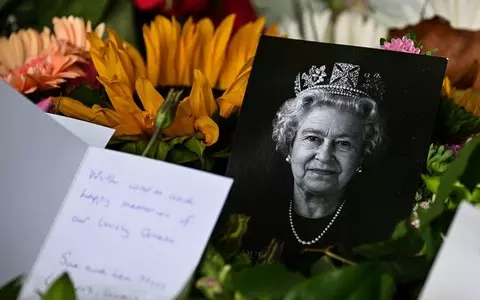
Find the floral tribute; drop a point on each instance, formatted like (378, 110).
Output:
(179, 102)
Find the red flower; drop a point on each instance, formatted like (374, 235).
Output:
(243, 9)
(174, 7)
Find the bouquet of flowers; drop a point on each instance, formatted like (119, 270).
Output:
(178, 103)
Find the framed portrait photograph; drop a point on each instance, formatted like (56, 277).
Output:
(330, 143)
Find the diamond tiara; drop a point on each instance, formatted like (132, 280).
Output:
(345, 79)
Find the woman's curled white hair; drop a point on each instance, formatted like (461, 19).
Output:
(290, 114)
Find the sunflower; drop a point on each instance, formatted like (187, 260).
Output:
(32, 60)
(467, 99)
(198, 59)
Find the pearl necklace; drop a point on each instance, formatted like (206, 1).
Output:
(321, 234)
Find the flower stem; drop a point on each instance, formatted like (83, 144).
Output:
(154, 137)
(165, 117)
(332, 255)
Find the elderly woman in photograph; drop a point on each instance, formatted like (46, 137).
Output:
(325, 136)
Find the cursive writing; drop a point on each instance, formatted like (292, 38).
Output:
(103, 294)
(187, 220)
(120, 228)
(152, 283)
(77, 219)
(147, 233)
(64, 261)
(100, 176)
(100, 271)
(143, 208)
(177, 198)
(117, 296)
(137, 207)
(94, 199)
(139, 187)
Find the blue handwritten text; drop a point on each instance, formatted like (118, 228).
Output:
(77, 219)
(149, 234)
(120, 228)
(100, 176)
(95, 199)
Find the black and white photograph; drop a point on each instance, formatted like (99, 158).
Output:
(330, 143)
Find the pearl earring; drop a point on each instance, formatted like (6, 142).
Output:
(288, 158)
(359, 170)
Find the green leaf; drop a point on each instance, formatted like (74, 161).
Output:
(229, 240)
(324, 264)
(88, 96)
(361, 282)
(196, 146)
(408, 270)
(432, 182)
(88, 9)
(122, 18)
(212, 262)
(267, 280)
(463, 168)
(61, 289)
(406, 241)
(181, 155)
(382, 41)
(3, 3)
(11, 290)
(177, 140)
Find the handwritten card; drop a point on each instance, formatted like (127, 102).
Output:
(92, 134)
(123, 226)
(131, 227)
(455, 273)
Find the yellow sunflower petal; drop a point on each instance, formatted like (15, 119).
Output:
(255, 33)
(77, 110)
(232, 98)
(120, 96)
(167, 46)
(151, 99)
(127, 67)
(205, 31)
(201, 96)
(137, 60)
(236, 56)
(153, 59)
(186, 51)
(209, 129)
(273, 30)
(184, 121)
(95, 43)
(114, 38)
(447, 89)
(214, 56)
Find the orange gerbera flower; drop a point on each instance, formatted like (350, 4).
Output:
(73, 30)
(32, 60)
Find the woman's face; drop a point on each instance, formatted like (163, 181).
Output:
(327, 150)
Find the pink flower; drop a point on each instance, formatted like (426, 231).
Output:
(45, 104)
(401, 45)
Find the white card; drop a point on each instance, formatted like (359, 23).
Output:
(92, 134)
(131, 227)
(38, 161)
(135, 229)
(455, 273)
